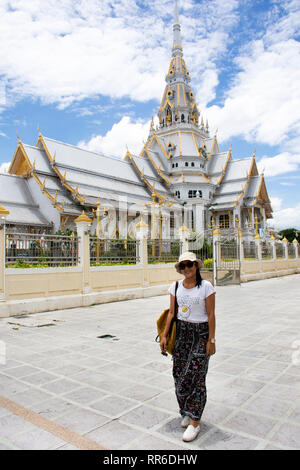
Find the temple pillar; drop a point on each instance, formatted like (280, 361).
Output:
(83, 223)
(3, 214)
(199, 218)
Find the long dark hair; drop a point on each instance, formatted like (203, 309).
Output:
(198, 276)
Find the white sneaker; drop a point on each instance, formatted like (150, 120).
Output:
(190, 433)
(185, 422)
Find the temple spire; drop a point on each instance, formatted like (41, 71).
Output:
(177, 45)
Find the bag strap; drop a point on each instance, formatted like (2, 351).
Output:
(176, 304)
(175, 312)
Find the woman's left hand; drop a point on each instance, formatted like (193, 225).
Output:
(210, 348)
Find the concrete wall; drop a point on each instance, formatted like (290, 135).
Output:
(264, 269)
(24, 291)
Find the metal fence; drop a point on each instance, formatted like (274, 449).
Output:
(113, 251)
(266, 251)
(204, 251)
(229, 251)
(280, 251)
(250, 250)
(23, 250)
(291, 250)
(163, 251)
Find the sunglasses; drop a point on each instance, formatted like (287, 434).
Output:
(188, 264)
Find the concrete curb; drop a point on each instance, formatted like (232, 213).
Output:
(47, 304)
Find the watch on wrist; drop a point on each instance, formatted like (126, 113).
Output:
(212, 340)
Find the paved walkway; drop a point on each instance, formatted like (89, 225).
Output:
(66, 385)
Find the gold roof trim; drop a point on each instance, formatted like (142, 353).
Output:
(195, 142)
(3, 210)
(27, 168)
(41, 139)
(156, 168)
(83, 218)
(160, 145)
(225, 166)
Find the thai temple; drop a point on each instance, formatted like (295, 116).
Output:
(179, 179)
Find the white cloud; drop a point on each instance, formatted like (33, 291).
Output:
(124, 133)
(276, 203)
(279, 164)
(287, 218)
(263, 104)
(4, 167)
(77, 49)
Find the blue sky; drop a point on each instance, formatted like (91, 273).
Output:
(91, 72)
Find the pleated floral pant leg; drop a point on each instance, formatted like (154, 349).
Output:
(190, 365)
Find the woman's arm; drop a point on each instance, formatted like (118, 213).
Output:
(210, 309)
(164, 338)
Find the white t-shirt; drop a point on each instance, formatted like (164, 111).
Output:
(191, 302)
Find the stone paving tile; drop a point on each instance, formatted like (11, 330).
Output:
(61, 386)
(145, 417)
(216, 413)
(115, 435)
(141, 392)
(31, 396)
(37, 439)
(114, 406)
(165, 401)
(65, 372)
(268, 407)
(21, 371)
(84, 395)
(81, 420)
(154, 443)
(40, 378)
(288, 435)
(53, 408)
(294, 414)
(254, 425)
(10, 425)
(225, 440)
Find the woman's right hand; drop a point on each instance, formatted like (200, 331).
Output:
(164, 344)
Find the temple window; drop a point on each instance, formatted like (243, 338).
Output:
(194, 193)
(224, 221)
(192, 164)
(186, 163)
(177, 194)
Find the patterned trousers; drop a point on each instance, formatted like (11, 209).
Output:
(190, 365)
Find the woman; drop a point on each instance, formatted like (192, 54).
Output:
(195, 341)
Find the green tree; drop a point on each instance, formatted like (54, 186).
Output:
(290, 234)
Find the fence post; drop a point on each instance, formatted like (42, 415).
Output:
(3, 214)
(296, 245)
(216, 252)
(258, 242)
(141, 234)
(183, 235)
(285, 243)
(273, 241)
(83, 223)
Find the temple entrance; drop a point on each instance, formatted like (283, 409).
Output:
(226, 263)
